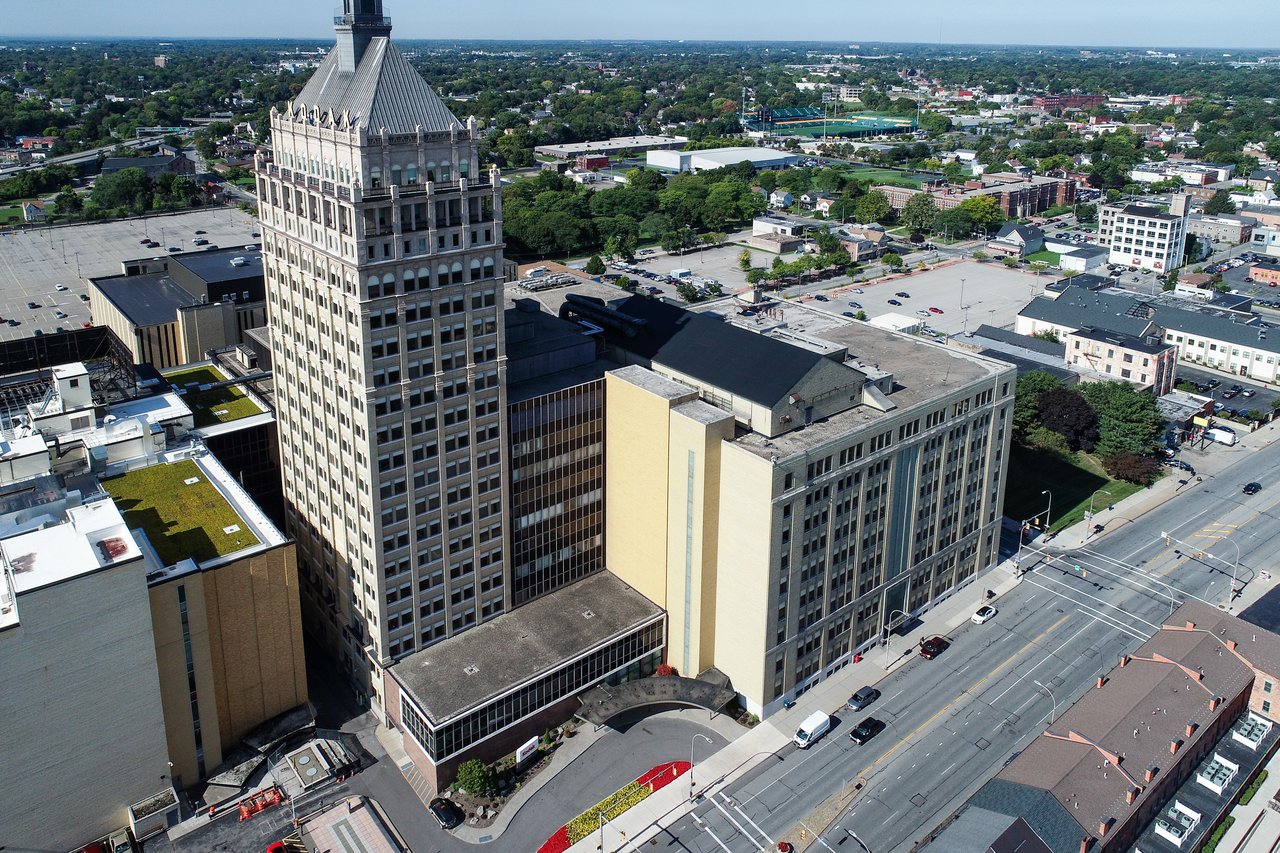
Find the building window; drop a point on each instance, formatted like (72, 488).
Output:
(1266, 687)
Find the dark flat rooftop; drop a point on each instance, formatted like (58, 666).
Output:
(146, 300)
(528, 642)
(214, 267)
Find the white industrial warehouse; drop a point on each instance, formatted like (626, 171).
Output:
(717, 158)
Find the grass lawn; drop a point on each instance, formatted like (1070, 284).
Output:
(216, 406)
(1050, 258)
(1072, 484)
(11, 214)
(181, 519)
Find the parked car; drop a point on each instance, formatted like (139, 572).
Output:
(446, 813)
(857, 290)
(62, 287)
(932, 647)
(866, 730)
(1248, 392)
(933, 310)
(902, 294)
(1252, 488)
(862, 698)
(820, 298)
(984, 614)
(853, 304)
(894, 302)
(848, 314)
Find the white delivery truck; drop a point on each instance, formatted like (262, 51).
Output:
(814, 726)
(1221, 436)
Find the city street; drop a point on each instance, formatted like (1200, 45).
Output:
(954, 721)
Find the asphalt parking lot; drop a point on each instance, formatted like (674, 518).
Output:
(35, 262)
(992, 294)
(1262, 395)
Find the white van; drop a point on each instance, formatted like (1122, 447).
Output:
(1221, 436)
(814, 726)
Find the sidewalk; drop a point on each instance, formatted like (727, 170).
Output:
(1207, 463)
(645, 821)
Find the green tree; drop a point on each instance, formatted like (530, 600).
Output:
(872, 207)
(744, 260)
(475, 777)
(919, 213)
(984, 211)
(1026, 403)
(125, 191)
(1086, 212)
(861, 315)
(1128, 420)
(1171, 280)
(595, 266)
(892, 260)
(68, 202)
(1219, 202)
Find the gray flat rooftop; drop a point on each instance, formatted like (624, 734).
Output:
(146, 300)
(466, 671)
(923, 372)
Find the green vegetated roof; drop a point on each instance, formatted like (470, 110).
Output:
(181, 518)
(217, 405)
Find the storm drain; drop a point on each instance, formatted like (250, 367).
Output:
(982, 743)
(918, 800)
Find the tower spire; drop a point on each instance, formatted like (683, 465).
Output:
(361, 22)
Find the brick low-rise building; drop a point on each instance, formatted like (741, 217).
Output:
(1018, 196)
(1150, 758)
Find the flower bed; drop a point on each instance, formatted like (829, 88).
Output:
(615, 804)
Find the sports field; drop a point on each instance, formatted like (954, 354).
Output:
(851, 125)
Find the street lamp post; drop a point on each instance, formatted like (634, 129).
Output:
(692, 741)
(1053, 715)
(1048, 514)
(1235, 568)
(1089, 515)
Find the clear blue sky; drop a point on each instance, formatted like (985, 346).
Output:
(1154, 23)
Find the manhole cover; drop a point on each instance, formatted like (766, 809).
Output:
(982, 743)
(918, 800)
(1012, 719)
(1090, 652)
(1057, 681)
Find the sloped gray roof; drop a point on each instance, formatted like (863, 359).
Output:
(1054, 825)
(1130, 314)
(384, 91)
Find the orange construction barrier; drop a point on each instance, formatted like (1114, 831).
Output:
(260, 801)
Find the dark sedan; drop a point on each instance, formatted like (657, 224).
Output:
(866, 730)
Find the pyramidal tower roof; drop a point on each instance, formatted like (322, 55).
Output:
(369, 81)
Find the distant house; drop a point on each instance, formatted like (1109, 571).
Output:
(1017, 241)
(874, 234)
(33, 211)
(811, 200)
(779, 199)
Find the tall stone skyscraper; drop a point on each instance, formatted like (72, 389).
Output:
(382, 244)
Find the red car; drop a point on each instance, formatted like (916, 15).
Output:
(932, 647)
(933, 310)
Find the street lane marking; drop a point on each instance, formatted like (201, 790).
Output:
(1043, 660)
(1103, 602)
